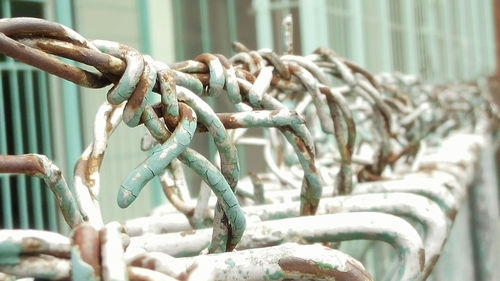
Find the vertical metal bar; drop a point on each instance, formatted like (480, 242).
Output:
(6, 9)
(356, 30)
(322, 23)
(46, 144)
(312, 15)
(385, 36)
(396, 33)
(410, 43)
(449, 45)
(341, 28)
(491, 41)
(475, 34)
(429, 13)
(18, 147)
(4, 179)
(206, 43)
(71, 106)
(157, 197)
(263, 23)
(464, 54)
(179, 38)
(233, 36)
(231, 20)
(486, 11)
(18, 136)
(36, 193)
(308, 39)
(206, 47)
(144, 31)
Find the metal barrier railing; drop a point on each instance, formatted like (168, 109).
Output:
(372, 139)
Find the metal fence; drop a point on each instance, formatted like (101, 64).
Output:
(440, 40)
(25, 126)
(406, 32)
(408, 127)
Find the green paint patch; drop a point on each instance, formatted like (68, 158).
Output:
(80, 270)
(9, 253)
(49, 275)
(323, 265)
(230, 262)
(277, 275)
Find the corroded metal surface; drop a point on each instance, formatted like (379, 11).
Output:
(386, 143)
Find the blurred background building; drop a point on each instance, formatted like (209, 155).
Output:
(440, 40)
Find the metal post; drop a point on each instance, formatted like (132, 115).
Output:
(157, 197)
(206, 41)
(478, 57)
(385, 36)
(4, 179)
(36, 192)
(464, 54)
(356, 43)
(18, 136)
(431, 39)
(144, 31)
(410, 43)
(18, 148)
(231, 20)
(179, 39)
(263, 23)
(71, 104)
(46, 145)
(492, 22)
(312, 17)
(445, 8)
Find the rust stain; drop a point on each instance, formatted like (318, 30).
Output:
(31, 245)
(184, 66)
(224, 61)
(432, 263)
(308, 209)
(451, 214)
(256, 58)
(246, 75)
(421, 258)
(21, 164)
(84, 173)
(204, 78)
(101, 61)
(135, 100)
(240, 47)
(188, 232)
(137, 277)
(186, 112)
(144, 262)
(205, 58)
(358, 69)
(87, 239)
(282, 68)
(185, 275)
(50, 64)
(302, 266)
(20, 27)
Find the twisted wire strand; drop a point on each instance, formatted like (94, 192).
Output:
(260, 81)
(139, 76)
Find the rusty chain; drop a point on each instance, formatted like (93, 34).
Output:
(389, 117)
